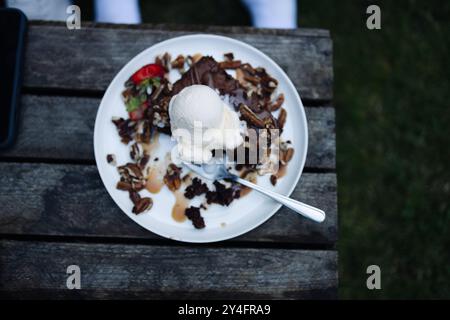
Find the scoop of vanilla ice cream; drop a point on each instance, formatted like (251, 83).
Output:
(201, 122)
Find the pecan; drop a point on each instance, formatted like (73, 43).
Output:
(143, 161)
(273, 179)
(268, 84)
(277, 104)
(158, 60)
(134, 170)
(125, 128)
(142, 205)
(247, 67)
(289, 154)
(230, 64)
(229, 56)
(164, 61)
(157, 92)
(282, 118)
(127, 94)
(248, 115)
(135, 197)
(124, 175)
(270, 122)
(178, 63)
(131, 177)
(194, 59)
(122, 185)
(111, 159)
(136, 152)
(138, 185)
(252, 79)
(240, 76)
(172, 177)
(145, 133)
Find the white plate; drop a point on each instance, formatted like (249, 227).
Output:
(222, 223)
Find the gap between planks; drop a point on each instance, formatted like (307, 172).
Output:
(241, 244)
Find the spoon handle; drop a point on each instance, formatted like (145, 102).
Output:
(299, 207)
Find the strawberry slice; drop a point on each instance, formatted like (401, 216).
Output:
(146, 72)
(138, 114)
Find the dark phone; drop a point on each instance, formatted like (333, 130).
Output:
(13, 24)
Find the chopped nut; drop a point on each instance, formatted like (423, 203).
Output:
(230, 64)
(252, 79)
(240, 76)
(164, 61)
(272, 84)
(134, 170)
(278, 103)
(249, 116)
(157, 92)
(125, 128)
(144, 160)
(178, 63)
(122, 185)
(289, 154)
(138, 185)
(172, 177)
(131, 177)
(229, 56)
(194, 59)
(136, 152)
(143, 204)
(282, 118)
(135, 197)
(273, 180)
(248, 68)
(111, 159)
(145, 133)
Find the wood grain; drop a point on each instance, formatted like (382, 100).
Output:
(70, 200)
(49, 124)
(88, 59)
(37, 270)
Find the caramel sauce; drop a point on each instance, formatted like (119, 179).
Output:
(244, 191)
(281, 171)
(153, 145)
(154, 181)
(250, 177)
(181, 203)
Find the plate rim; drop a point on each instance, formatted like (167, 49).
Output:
(206, 36)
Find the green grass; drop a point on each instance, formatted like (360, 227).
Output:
(393, 138)
(392, 103)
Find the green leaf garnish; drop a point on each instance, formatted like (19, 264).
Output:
(133, 104)
(156, 81)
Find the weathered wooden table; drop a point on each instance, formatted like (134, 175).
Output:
(55, 212)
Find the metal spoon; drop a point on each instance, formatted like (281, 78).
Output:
(219, 171)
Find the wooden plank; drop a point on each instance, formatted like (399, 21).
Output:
(37, 270)
(88, 59)
(49, 124)
(70, 200)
